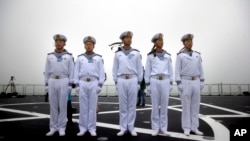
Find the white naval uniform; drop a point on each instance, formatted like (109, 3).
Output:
(157, 66)
(89, 74)
(189, 73)
(59, 76)
(127, 74)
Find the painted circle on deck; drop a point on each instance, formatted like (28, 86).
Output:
(208, 138)
(102, 138)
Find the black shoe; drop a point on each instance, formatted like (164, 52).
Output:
(70, 122)
(74, 110)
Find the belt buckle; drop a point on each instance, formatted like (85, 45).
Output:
(88, 79)
(126, 76)
(193, 78)
(57, 77)
(160, 77)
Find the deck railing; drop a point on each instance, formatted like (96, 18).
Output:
(110, 90)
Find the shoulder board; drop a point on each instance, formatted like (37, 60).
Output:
(119, 49)
(135, 50)
(98, 55)
(69, 53)
(179, 53)
(151, 52)
(197, 52)
(80, 55)
(168, 53)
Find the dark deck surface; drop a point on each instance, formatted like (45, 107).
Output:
(28, 118)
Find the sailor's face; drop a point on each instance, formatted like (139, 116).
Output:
(89, 46)
(59, 44)
(127, 40)
(159, 43)
(188, 44)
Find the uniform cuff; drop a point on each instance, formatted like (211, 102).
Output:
(178, 82)
(100, 85)
(73, 85)
(77, 84)
(46, 84)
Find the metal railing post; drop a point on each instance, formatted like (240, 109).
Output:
(230, 89)
(106, 90)
(209, 89)
(240, 89)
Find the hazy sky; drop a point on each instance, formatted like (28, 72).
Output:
(220, 27)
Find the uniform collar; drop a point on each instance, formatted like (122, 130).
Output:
(189, 52)
(126, 52)
(160, 55)
(89, 56)
(59, 55)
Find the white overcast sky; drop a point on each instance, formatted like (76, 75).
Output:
(220, 27)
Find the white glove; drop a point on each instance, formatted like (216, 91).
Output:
(77, 90)
(180, 87)
(148, 89)
(98, 90)
(202, 85)
(46, 89)
(69, 89)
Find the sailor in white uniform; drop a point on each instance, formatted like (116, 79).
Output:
(59, 75)
(127, 74)
(159, 81)
(189, 77)
(89, 77)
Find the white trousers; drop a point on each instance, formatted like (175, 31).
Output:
(127, 95)
(190, 99)
(160, 90)
(88, 101)
(58, 97)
